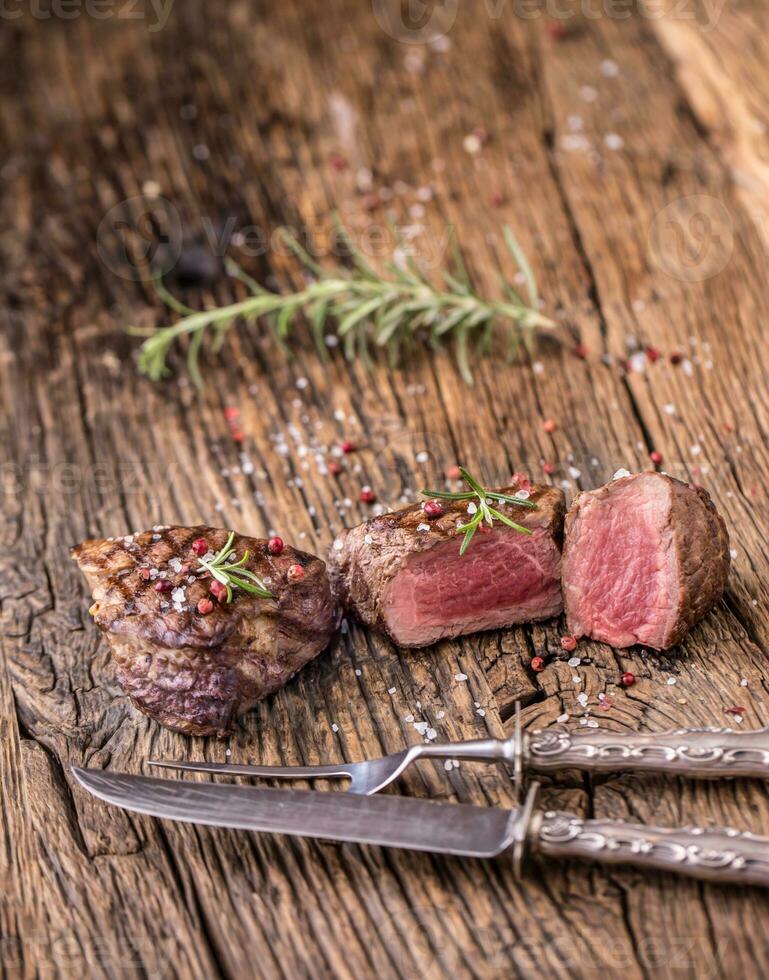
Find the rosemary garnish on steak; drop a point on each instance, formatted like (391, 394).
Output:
(362, 306)
(234, 574)
(480, 508)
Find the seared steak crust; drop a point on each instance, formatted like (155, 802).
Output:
(193, 672)
(691, 540)
(364, 560)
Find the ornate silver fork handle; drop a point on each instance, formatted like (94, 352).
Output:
(699, 753)
(722, 855)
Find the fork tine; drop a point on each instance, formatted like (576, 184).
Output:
(238, 769)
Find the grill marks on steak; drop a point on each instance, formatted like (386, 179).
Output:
(413, 584)
(646, 557)
(192, 672)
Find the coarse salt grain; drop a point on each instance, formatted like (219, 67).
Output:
(671, 681)
(582, 698)
(335, 727)
(620, 474)
(563, 718)
(423, 527)
(574, 661)
(460, 677)
(391, 690)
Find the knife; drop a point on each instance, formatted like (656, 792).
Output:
(722, 855)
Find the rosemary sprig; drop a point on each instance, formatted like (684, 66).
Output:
(484, 511)
(362, 307)
(234, 574)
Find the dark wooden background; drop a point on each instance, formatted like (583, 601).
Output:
(631, 158)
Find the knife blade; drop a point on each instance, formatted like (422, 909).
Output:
(721, 855)
(391, 821)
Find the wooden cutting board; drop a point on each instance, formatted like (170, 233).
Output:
(629, 159)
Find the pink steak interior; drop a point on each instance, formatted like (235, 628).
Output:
(620, 575)
(504, 577)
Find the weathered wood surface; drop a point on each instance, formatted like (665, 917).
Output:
(597, 145)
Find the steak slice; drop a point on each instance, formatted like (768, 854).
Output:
(645, 558)
(403, 573)
(193, 672)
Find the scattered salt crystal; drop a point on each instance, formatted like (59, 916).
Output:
(335, 727)
(460, 677)
(738, 719)
(368, 538)
(423, 527)
(338, 544)
(422, 457)
(522, 494)
(176, 564)
(472, 143)
(686, 367)
(744, 682)
(695, 450)
(592, 723)
(621, 473)
(472, 507)
(421, 727)
(447, 765)
(613, 141)
(733, 553)
(562, 718)
(583, 721)
(575, 123)
(588, 94)
(671, 681)
(574, 473)
(609, 68)
(440, 714)
(302, 383)
(391, 690)
(637, 362)
(576, 679)
(455, 763)
(538, 367)
(481, 712)
(409, 718)
(574, 661)
(669, 409)
(358, 671)
(582, 698)
(431, 734)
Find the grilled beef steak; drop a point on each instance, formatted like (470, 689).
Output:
(197, 671)
(402, 572)
(645, 558)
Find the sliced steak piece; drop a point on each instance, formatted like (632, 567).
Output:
(645, 558)
(402, 573)
(197, 672)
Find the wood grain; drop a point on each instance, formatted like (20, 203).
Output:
(619, 168)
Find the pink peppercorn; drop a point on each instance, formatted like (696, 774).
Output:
(655, 457)
(537, 664)
(676, 357)
(205, 606)
(334, 467)
(653, 354)
(548, 468)
(347, 446)
(580, 351)
(275, 546)
(628, 679)
(162, 585)
(433, 509)
(548, 425)
(556, 30)
(200, 546)
(218, 590)
(453, 473)
(295, 573)
(145, 573)
(367, 495)
(522, 481)
(569, 642)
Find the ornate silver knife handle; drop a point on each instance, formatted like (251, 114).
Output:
(703, 753)
(722, 855)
